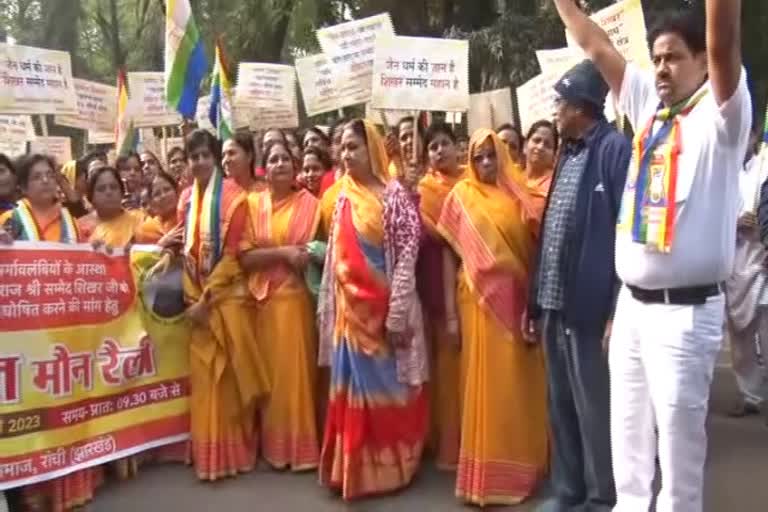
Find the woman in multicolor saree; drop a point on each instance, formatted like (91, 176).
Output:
(435, 290)
(282, 221)
(39, 216)
(377, 411)
(228, 377)
(489, 222)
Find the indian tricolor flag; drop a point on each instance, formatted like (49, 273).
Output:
(185, 63)
(220, 113)
(125, 133)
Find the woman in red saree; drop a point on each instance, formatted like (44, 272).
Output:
(377, 412)
(435, 290)
(489, 221)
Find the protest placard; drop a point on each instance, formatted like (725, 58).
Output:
(536, 99)
(202, 117)
(454, 118)
(319, 89)
(36, 81)
(94, 365)
(146, 90)
(101, 137)
(96, 107)
(490, 109)
(60, 148)
(15, 131)
(421, 73)
(559, 60)
(350, 48)
(270, 86)
(624, 23)
(393, 116)
(263, 118)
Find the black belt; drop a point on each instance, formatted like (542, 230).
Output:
(692, 295)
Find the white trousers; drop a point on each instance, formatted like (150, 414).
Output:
(750, 376)
(661, 360)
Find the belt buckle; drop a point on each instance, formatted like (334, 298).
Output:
(666, 296)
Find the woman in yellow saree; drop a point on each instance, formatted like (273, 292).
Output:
(228, 377)
(540, 150)
(40, 217)
(434, 290)
(282, 221)
(488, 220)
(377, 411)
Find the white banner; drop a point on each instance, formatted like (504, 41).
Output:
(36, 81)
(146, 91)
(60, 148)
(320, 91)
(421, 73)
(536, 99)
(559, 60)
(263, 118)
(350, 49)
(490, 109)
(96, 107)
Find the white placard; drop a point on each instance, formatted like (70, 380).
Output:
(536, 99)
(421, 73)
(60, 148)
(350, 49)
(270, 86)
(263, 119)
(490, 109)
(36, 81)
(174, 142)
(146, 90)
(202, 118)
(96, 107)
(320, 91)
(392, 116)
(559, 60)
(624, 22)
(101, 137)
(15, 131)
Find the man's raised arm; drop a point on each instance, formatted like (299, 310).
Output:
(595, 42)
(723, 47)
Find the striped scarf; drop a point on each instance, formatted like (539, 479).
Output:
(204, 217)
(31, 232)
(648, 211)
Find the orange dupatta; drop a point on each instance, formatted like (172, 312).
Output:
(433, 190)
(153, 229)
(539, 190)
(491, 227)
(117, 232)
(290, 221)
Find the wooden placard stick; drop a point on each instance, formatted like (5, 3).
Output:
(44, 124)
(384, 122)
(164, 132)
(416, 119)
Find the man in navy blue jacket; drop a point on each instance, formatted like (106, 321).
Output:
(574, 290)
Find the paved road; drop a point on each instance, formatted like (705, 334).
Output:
(737, 479)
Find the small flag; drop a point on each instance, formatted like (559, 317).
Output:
(125, 133)
(220, 112)
(185, 62)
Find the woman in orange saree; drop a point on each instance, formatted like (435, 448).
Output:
(282, 221)
(540, 150)
(377, 411)
(227, 373)
(488, 220)
(162, 228)
(38, 216)
(434, 291)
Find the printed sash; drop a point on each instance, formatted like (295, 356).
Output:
(31, 232)
(204, 214)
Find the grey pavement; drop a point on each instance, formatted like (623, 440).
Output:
(737, 480)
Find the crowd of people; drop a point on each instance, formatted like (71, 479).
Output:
(361, 301)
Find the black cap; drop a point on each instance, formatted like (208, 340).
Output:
(583, 83)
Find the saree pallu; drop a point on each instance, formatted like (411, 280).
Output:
(287, 336)
(227, 372)
(376, 424)
(504, 426)
(445, 357)
(153, 229)
(539, 190)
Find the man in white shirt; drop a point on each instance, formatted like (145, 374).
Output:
(747, 293)
(675, 243)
